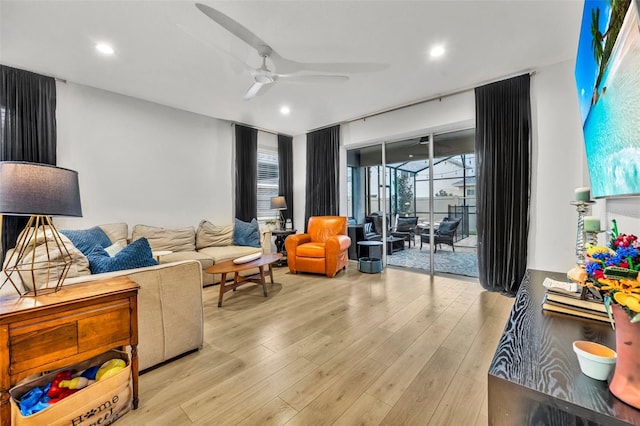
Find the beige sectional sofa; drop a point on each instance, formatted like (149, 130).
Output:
(208, 244)
(170, 301)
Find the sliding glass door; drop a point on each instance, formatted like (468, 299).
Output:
(420, 199)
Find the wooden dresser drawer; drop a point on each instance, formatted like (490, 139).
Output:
(38, 342)
(39, 347)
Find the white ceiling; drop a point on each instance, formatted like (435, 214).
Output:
(170, 53)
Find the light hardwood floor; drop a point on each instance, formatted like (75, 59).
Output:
(394, 348)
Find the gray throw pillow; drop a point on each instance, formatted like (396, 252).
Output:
(246, 234)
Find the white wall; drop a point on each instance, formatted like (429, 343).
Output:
(140, 162)
(559, 167)
(299, 180)
(449, 113)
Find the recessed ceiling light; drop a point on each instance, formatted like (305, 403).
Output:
(437, 51)
(285, 110)
(104, 48)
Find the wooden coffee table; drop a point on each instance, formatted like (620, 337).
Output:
(227, 267)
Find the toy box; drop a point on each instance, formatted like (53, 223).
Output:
(102, 402)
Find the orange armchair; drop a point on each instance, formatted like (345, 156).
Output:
(322, 250)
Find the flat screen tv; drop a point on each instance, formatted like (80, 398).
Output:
(608, 81)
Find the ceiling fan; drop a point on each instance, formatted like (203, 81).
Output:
(263, 77)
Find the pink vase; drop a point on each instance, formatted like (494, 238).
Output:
(625, 384)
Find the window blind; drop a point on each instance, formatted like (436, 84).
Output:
(267, 183)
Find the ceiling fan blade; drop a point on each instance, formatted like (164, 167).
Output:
(286, 66)
(237, 65)
(236, 29)
(315, 78)
(253, 90)
(265, 88)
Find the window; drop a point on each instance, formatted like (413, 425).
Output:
(268, 174)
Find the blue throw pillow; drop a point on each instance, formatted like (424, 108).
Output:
(135, 255)
(85, 240)
(246, 234)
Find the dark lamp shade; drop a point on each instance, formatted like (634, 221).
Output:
(38, 189)
(278, 203)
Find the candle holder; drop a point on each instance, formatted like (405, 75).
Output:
(592, 237)
(582, 208)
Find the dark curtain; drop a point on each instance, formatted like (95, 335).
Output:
(322, 173)
(27, 129)
(503, 173)
(285, 173)
(246, 173)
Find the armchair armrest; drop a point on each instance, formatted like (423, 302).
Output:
(333, 246)
(295, 240)
(291, 244)
(337, 243)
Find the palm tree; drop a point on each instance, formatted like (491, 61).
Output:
(597, 41)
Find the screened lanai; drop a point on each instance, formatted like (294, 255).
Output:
(403, 191)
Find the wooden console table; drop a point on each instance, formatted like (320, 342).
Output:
(55, 330)
(535, 379)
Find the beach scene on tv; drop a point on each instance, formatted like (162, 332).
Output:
(608, 82)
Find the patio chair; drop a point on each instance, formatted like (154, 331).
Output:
(445, 234)
(406, 229)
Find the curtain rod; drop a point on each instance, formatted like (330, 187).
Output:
(61, 80)
(260, 129)
(435, 98)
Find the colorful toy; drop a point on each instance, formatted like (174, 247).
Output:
(34, 400)
(75, 383)
(54, 390)
(66, 383)
(110, 368)
(62, 395)
(89, 373)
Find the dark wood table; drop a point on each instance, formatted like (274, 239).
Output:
(535, 379)
(281, 235)
(395, 244)
(59, 329)
(228, 267)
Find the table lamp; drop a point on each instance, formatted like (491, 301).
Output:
(39, 191)
(279, 203)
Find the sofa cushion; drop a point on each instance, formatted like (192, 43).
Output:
(115, 248)
(210, 235)
(180, 239)
(135, 255)
(176, 256)
(86, 239)
(117, 232)
(246, 233)
(220, 254)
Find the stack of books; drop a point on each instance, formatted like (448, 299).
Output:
(570, 302)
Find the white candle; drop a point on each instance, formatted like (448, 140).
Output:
(583, 194)
(591, 224)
